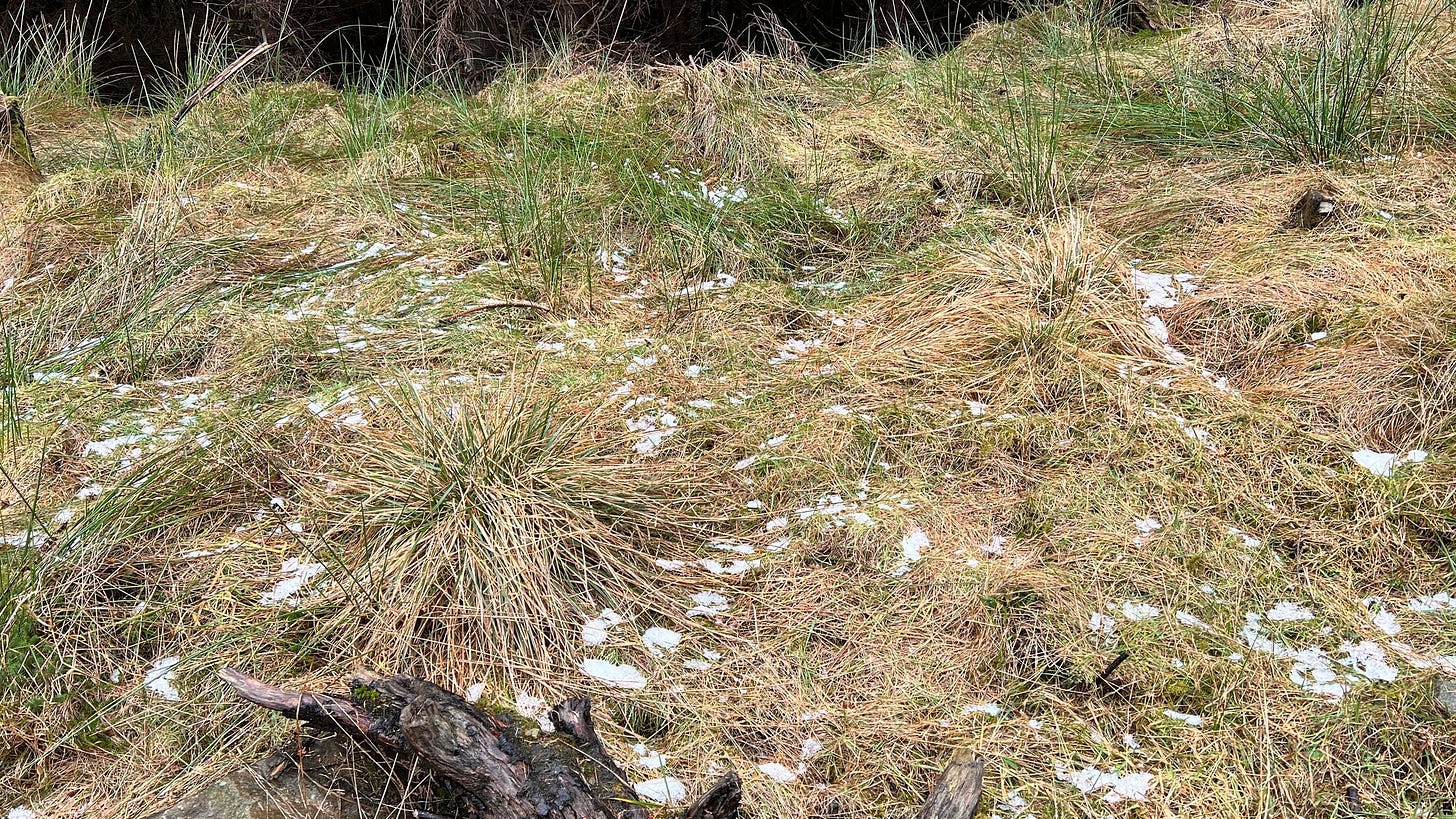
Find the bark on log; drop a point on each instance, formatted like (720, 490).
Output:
(19, 173)
(501, 771)
(14, 141)
(957, 793)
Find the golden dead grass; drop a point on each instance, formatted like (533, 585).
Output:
(952, 368)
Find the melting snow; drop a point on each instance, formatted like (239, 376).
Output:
(1248, 539)
(296, 576)
(1432, 602)
(912, 546)
(109, 446)
(1312, 669)
(778, 772)
(660, 639)
(619, 676)
(159, 678)
(533, 707)
(990, 709)
(1287, 612)
(594, 632)
(664, 790)
(1133, 786)
(1139, 611)
(1189, 619)
(1161, 290)
(1191, 719)
(708, 604)
(1381, 617)
(1384, 464)
(1102, 624)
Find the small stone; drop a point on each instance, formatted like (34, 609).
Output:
(1445, 690)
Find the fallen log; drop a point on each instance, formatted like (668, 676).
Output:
(500, 768)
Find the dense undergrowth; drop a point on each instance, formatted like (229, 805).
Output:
(883, 406)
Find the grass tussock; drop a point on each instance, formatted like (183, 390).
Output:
(904, 394)
(486, 531)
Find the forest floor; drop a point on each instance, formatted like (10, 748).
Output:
(862, 414)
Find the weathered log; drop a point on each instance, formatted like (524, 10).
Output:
(501, 770)
(957, 793)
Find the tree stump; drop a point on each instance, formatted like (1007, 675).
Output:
(19, 173)
(497, 766)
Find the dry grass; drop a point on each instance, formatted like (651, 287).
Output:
(249, 349)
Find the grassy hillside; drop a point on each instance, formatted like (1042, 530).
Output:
(910, 393)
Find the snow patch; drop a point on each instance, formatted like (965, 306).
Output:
(1132, 786)
(618, 676)
(296, 575)
(664, 790)
(1384, 464)
(159, 679)
(660, 640)
(594, 632)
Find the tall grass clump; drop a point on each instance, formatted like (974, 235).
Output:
(1342, 94)
(1028, 158)
(48, 60)
(484, 532)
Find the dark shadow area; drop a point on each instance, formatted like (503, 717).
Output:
(149, 43)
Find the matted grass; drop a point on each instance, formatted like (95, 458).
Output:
(908, 393)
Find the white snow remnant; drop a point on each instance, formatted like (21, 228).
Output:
(1312, 669)
(660, 640)
(159, 678)
(1426, 604)
(618, 676)
(664, 790)
(708, 604)
(1191, 719)
(1132, 786)
(594, 632)
(1190, 619)
(296, 575)
(912, 547)
(1287, 612)
(778, 772)
(1137, 612)
(1384, 464)
(533, 707)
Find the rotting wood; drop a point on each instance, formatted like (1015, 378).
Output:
(19, 172)
(957, 793)
(501, 768)
(500, 771)
(14, 139)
